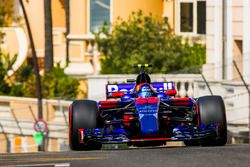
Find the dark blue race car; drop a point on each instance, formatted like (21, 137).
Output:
(145, 113)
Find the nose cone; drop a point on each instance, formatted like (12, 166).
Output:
(147, 109)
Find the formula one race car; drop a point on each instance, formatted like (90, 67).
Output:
(143, 113)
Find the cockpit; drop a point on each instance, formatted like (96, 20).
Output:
(143, 87)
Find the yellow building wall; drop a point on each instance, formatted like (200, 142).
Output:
(22, 110)
(79, 20)
(78, 16)
(123, 8)
(26, 143)
(35, 12)
(58, 14)
(3, 142)
(22, 144)
(10, 44)
(169, 12)
(53, 144)
(31, 143)
(59, 29)
(79, 12)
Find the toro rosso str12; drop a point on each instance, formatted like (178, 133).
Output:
(142, 112)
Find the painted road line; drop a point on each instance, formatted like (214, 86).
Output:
(62, 165)
(64, 159)
(55, 159)
(35, 165)
(46, 153)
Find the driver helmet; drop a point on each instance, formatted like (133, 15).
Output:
(144, 91)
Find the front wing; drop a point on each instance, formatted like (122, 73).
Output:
(119, 136)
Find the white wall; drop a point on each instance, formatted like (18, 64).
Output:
(212, 69)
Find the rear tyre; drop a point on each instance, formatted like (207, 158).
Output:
(82, 114)
(211, 110)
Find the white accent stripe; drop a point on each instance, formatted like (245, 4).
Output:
(51, 164)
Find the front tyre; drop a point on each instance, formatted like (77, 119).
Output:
(211, 110)
(82, 114)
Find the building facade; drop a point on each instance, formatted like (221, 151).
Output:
(186, 18)
(74, 21)
(228, 48)
(227, 39)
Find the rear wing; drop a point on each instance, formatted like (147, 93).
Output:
(130, 88)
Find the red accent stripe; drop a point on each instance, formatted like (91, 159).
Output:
(150, 139)
(118, 94)
(141, 100)
(108, 104)
(81, 133)
(181, 101)
(170, 92)
(197, 114)
(127, 119)
(152, 100)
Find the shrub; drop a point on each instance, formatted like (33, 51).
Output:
(145, 39)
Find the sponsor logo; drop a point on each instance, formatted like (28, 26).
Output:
(159, 87)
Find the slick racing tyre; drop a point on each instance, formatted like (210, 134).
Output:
(211, 111)
(82, 114)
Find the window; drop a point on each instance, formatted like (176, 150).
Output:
(201, 17)
(99, 14)
(186, 17)
(191, 16)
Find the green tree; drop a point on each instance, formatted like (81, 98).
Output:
(21, 77)
(6, 12)
(58, 84)
(55, 84)
(145, 39)
(6, 63)
(6, 15)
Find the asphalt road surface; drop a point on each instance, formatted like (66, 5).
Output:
(228, 156)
